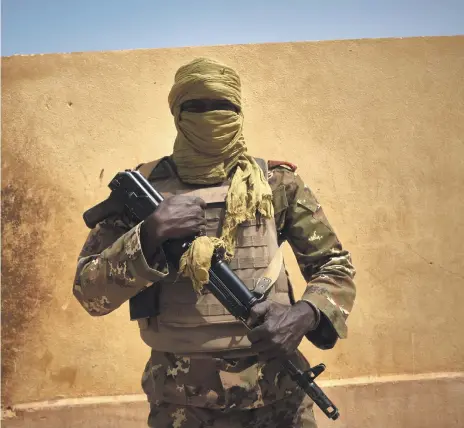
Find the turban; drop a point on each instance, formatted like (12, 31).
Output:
(209, 149)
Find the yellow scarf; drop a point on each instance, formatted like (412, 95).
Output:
(208, 147)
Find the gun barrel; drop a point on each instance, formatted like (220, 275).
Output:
(226, 298)
(306, 382)
(234, 284)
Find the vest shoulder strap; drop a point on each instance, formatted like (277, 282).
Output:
(157, 169)
(263, 165)
(146, 168)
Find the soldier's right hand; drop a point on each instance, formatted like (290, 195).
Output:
(176, 217)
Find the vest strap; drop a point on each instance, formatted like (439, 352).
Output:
(270, 275)
(262, 164)
(146, 168)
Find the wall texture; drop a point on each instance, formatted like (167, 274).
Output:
(375, 126)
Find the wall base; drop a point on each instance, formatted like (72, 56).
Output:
(421, 401)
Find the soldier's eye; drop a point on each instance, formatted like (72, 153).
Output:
(194, 106)
(224, 105)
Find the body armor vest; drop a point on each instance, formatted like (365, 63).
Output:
(189, 324)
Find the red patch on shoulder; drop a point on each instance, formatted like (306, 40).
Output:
(274, 163)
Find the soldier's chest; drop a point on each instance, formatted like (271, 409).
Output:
(214, 197)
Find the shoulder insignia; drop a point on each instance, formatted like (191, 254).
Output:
(273, 163)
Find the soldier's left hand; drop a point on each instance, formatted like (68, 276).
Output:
(282, 328)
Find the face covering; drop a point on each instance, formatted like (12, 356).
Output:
(209, 146)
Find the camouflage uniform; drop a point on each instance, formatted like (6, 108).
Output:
(216, 392)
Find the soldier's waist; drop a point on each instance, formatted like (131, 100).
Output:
(206, 341)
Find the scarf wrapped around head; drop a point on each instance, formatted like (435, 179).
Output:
(208, 147)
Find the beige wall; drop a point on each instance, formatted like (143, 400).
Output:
(375, 126)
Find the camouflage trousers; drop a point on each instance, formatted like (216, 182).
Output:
(214, 392)
(293, 412)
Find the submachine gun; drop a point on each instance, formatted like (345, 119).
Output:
(132, 195)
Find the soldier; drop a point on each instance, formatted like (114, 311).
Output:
(206, 369)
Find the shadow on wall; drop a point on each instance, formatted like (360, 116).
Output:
(32, 205)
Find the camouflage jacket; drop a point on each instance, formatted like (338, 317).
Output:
(111, 267)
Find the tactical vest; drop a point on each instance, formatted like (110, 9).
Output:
(189, 324)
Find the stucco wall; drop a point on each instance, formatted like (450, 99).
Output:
(375, 126)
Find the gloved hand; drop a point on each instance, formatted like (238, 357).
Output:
(282, 328)
(176, 217)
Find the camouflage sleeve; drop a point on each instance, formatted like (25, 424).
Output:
(325, 265)
(112, 268)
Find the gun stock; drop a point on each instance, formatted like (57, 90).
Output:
(101, 211)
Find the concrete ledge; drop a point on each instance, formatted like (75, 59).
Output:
(417, 401)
